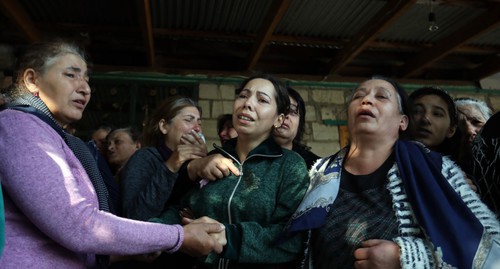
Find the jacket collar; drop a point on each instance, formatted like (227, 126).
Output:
(268, 147)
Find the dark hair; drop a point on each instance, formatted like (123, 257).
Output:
(167, 110)
(8, 73)
(105, 127)
(222, 120)
(40, 57)
(134, 134)
(432, 90)
(301, 107)
(282, 99)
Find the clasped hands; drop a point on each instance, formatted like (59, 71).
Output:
(202, 236)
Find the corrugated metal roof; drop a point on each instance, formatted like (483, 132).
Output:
(311, 38)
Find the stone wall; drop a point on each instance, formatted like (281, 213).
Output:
(325, 111)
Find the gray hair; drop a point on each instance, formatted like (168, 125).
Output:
(40, 57)
(478, 104)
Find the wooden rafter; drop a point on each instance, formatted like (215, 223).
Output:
(488, 68)
(147, 30)
(20, 19)
(276, 12)
(480, 25)
(383, 19)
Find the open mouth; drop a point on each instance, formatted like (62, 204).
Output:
(245, 118)
(366, 113)
(80, 103)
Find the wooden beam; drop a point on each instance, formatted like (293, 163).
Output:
(324, 42)
(369, 32)
(20, 19)
(276, 12)
(492, 66)
(481, 24)
(147, 30)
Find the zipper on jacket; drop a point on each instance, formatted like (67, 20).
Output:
(241, 175)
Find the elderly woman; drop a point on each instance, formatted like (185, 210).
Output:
(386, 203)
(55, 201)
(472, 115)
(122, 144)
(486, 160)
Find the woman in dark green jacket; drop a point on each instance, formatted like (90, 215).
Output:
(259, 183)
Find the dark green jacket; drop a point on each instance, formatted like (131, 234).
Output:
(254, 206)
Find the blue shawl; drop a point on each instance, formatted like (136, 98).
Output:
(443, 216)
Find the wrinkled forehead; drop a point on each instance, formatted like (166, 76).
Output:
(376, 84)
(470, 110)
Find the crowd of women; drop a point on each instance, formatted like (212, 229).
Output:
(412, 188)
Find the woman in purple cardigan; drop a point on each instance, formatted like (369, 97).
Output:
(55, 200)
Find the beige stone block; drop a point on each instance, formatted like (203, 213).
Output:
(209, 128)
(304, 93)
(323, 132)
(494, 102)
(227, 107)
(210, 143)
(327, 113)
(205, 108)
(221, 107)
(228, 91)
(209, 91)
(324, 149)
(328, 96)
(310, 113)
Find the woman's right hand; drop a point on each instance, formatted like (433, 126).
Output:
(377, 253)
(212, 167)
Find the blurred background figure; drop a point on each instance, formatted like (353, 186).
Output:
(122, 144)
(290, 134)
(6, 82)
(225, 128)
(99, 137)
